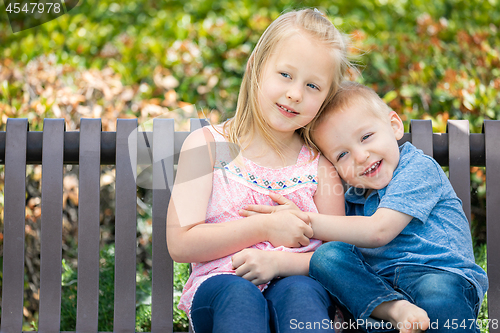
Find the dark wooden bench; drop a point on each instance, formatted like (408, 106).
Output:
(90, 148)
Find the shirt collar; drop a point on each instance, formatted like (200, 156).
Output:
(357, 195)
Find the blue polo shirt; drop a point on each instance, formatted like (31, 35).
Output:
(438, 235)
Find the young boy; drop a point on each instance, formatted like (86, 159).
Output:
(412, 255)
(404, 252)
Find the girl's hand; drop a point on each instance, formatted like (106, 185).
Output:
(256, 266)
(283, 204)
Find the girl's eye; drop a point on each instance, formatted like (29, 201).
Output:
(313, 86)
(285, 75)
(341, 155)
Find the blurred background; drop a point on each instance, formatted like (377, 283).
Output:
(434, 60)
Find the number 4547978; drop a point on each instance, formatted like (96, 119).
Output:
(471, 323)
(34, 7)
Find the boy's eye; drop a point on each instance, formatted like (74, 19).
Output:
(366, 136)
(341, 155)
(285, 75)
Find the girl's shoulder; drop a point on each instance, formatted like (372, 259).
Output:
(217, 132)
(308, 155)
(198, 137)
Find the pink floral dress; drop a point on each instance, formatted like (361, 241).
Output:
(233, 188)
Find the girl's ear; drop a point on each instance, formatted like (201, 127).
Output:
(397, 125)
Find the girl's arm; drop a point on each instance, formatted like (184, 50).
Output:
(329, 196)
(189, 239)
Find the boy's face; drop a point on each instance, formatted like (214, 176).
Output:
(361, 145)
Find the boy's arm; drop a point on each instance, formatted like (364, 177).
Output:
(363, 231)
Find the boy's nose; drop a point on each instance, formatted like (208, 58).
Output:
(361, 156)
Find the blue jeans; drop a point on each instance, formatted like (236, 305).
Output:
(229, 303)
(447, 297)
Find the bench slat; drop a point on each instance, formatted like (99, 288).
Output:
(51, 225)
(421, 135)
(125, 227)
(492, 139)
(14, 224)
(459, 152)
(195, 124)
(163, 266)
(88, 226)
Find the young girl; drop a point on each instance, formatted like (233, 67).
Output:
(264, 153)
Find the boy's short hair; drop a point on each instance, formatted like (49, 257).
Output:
(354, 94)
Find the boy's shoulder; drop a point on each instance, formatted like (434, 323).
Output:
(416, 172)
(412, 160)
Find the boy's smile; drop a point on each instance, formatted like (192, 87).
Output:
(372, 170)
(361, 144)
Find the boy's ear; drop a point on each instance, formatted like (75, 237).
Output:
(397, 125)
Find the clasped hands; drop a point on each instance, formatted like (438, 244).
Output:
(286, 226)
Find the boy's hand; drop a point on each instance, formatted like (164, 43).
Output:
(256, 266)
(283, 204)
(288, 228)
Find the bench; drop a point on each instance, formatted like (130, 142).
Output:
(90, 148)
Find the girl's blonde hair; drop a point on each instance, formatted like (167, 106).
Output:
(248, 117)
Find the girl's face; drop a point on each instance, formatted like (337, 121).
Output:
(295, 81)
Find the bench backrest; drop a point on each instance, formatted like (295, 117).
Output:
(90, 148)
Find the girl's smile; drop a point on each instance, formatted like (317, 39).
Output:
(287, 111)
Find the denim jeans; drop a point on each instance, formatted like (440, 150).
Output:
(449, 299)
(229, 303)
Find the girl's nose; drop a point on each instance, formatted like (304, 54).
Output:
(294, 94)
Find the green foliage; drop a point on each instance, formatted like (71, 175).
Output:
(106, 295)
(106, 292)
(181, 275)
(68, 297)
(480, 255)
(440, 60)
